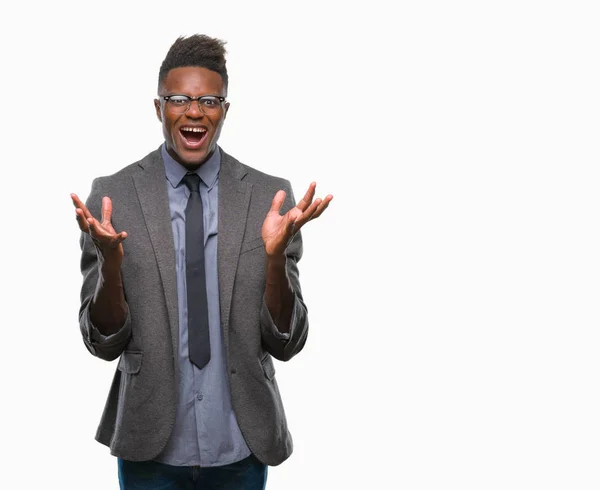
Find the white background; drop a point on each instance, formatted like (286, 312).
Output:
(452, 285)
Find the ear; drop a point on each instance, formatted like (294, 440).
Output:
(157, 108)
(226, 109)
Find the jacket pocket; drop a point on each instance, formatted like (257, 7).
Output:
(251, 245)
(268, 367)
(130, 362)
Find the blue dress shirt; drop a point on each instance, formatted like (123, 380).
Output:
(206, 432)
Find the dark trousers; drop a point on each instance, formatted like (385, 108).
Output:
(248, 474)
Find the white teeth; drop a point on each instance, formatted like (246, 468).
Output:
(194, 130)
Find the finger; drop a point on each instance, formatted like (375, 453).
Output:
(118, 239)
(293, 217)
(93, 227)
(106, 209)
(308, 197)
(97, 232)
(306, 215)
(81, 221)
(79, 204)
(315, 210)
(322, 207)
(277, 202)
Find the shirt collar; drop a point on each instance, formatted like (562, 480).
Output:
(208, 171)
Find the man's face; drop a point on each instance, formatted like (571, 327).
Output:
(191, 137)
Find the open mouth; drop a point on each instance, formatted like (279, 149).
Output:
(193, 137)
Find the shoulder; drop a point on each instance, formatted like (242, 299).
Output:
(264, 186)
(250, 174)
(124, 175)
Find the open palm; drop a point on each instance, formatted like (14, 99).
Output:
(278, 230)
(106, 239)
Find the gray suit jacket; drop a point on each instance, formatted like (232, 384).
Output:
(140, 411)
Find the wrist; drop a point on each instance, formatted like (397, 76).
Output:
(110, 269)
(276, 260)
(109, 259)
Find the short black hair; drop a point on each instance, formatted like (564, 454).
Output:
(196, 50)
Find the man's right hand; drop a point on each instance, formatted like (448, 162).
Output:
(107, 241)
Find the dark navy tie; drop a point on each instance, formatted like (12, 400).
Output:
(198, 334)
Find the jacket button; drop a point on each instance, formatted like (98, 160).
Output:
(233, 371)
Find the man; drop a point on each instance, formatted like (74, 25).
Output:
(191, 279)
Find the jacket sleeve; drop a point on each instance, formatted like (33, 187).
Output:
(284, 346)
(104, 347)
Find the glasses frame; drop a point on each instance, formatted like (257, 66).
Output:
(192, 99)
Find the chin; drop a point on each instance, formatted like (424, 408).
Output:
(192, 158)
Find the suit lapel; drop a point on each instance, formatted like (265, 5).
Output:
(151, 188)
(234, 199)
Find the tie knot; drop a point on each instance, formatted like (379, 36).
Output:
(192, 180)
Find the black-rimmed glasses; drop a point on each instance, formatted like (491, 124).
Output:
(180, 104)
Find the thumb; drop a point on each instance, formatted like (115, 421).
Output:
(277, 202)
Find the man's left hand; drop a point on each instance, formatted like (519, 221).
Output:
(278, 231)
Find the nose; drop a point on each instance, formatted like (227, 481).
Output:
(194, 112)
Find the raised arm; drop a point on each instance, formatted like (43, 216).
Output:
(104, 315)
(284, 317)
